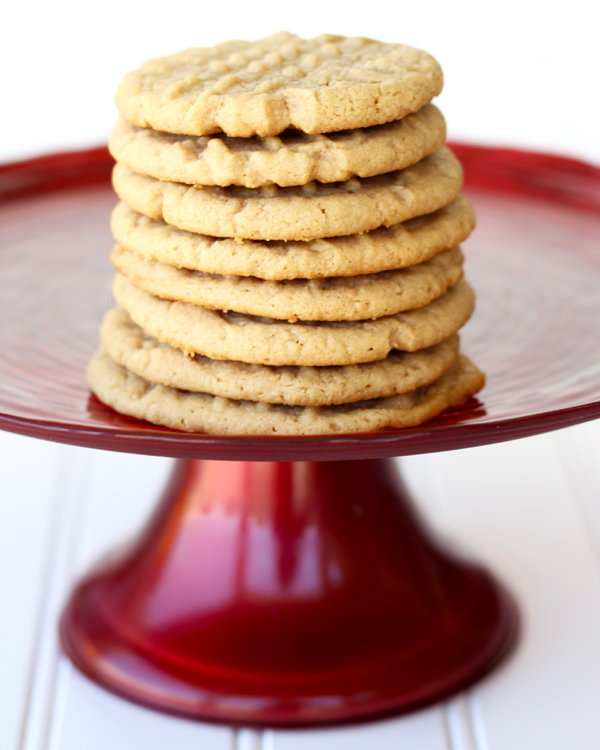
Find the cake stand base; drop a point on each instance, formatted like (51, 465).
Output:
(287, 594)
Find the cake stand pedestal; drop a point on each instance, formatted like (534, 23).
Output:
(287, 593)
(288, 581)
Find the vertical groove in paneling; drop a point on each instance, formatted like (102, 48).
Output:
(268, 740)
(120, 492)
(32, 684)
(28, 471)
(70, 488)
(459, 725)
(478, 722)
(63, 672)
(248, 739)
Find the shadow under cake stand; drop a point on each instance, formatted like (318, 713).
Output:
(288, 581)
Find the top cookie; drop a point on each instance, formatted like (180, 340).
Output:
(261, 88)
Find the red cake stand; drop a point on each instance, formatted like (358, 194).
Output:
(288, 581)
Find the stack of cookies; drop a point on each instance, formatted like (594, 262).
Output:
(287, 253)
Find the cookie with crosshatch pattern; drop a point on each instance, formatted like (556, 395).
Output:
(383, 249)
(304, 212)
(260, 340)
(262, 88)
(400, 372)
(201, 412)
(291, 158)
(338, 298)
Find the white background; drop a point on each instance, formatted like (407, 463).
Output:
(518, 72)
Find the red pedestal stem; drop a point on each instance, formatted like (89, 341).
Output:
(282, 594)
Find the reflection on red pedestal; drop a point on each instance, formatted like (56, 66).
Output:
(287, 594)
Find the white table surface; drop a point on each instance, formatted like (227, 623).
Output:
(529, 508)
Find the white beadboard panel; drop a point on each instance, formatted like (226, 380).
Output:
(28, 472)
(423, 479)
(249, 739)
(72, 482)
(464, 732)
(530, 509)
(124, 489)
(121, 492)
(423, 730)
(89, 718)
(512, 506)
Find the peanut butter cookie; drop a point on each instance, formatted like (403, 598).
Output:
(199, 412)
(304, 212)
(382, 249)
(261, 88)
(337, 298)
(145, 356)
(258, 340)
(292, 158)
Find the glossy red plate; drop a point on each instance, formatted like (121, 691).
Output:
(307, 592)
(534, 261)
